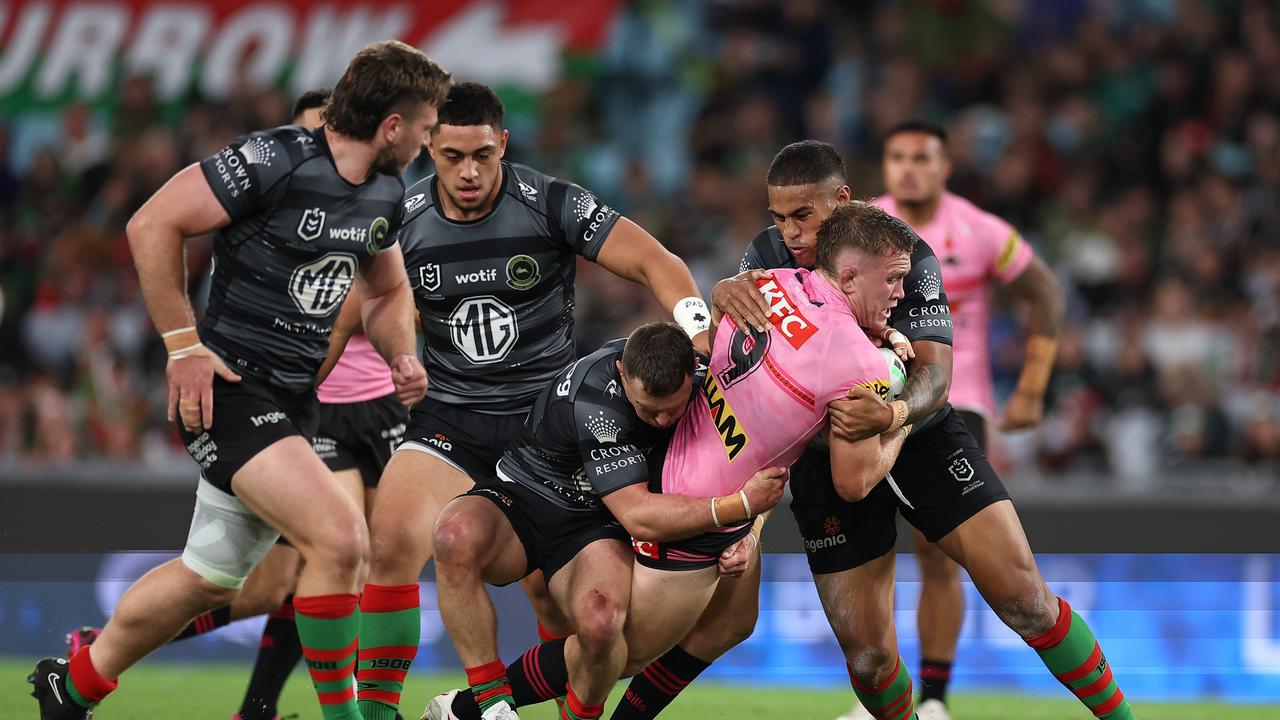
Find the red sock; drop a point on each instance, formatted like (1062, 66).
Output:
(546, 635)
(575, 709)
(84, 681)
(490, 685)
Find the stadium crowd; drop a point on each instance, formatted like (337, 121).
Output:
(1136, 145)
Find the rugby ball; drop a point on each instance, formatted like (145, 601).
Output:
(897, 372)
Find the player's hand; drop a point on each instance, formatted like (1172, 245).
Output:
(736, 558)
(739, 298)
(410, 379)
(764, 489)
(900, 344)
(1025, 410)
(864, 414)
(191, 386)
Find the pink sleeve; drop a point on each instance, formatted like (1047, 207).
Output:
(859, 363)
(1010, 253)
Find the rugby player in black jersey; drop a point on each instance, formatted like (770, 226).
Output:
(300, 216)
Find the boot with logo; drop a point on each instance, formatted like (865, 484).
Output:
(49, 688)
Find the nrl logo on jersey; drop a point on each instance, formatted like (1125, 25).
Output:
(311, 225)
(429, 277)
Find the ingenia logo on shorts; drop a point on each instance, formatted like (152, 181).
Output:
(727, 425)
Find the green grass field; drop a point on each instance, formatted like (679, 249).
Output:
(198, 692)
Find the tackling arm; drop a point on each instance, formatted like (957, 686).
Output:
(856, 467)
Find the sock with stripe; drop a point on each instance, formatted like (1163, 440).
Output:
(657, 685)
(891, 699)
(85, 686)
(1073, 655)
(489, 685)
(328, 626)
(546, 636)
(934, 676)
(278, 652)
(539, 675)
(575, 709)
(390, 623)
(206, 623)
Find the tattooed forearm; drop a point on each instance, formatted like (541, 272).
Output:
(926, 389)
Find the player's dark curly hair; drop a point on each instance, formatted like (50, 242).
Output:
(806, 163)
(860, 226)
(383, 78)
(309, 100)
(660, 356)
(472, 103)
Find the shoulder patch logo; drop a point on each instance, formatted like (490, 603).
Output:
(603, 428)
(523, 272)
(613, 390)
(311, 225)
(377, 233)
(529, 192)
(429, 277)
(584, 206)
(259, 150)
(415, 202)
(929, 285)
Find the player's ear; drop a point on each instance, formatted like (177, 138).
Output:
(391, 127)
(843, 193)
(502, 143)
(848, 274)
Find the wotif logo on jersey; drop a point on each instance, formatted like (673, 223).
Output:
(479, 276)
(784, 315)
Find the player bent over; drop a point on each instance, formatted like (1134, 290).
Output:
(279, 278)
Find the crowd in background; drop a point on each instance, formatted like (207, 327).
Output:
(1135, 144)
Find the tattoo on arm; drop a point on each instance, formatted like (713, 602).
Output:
(925, 391)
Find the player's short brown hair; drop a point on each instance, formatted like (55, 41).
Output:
(659, 355)
(385, 77)
(863, 227)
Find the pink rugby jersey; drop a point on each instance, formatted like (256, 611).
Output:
(766, 395)
(974, 248)
(360, 374)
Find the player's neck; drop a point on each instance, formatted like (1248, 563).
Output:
(920, 212)
(353, 158)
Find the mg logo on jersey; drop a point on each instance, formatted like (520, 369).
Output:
(784, 314)
(319, 286)
(311, 225)
(429, 277)
(484, 329)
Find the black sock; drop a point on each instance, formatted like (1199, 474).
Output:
(934, 676)
(278, 653)
(657, 685)
(207, 622)
(539, 675)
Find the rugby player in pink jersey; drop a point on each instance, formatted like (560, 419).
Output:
(761, 401)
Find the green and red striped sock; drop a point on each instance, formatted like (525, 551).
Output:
(575, 709)
(85, 686)
(389, 629)
(328, 628)
(1073, 655)
(891, 699)
(489, 684)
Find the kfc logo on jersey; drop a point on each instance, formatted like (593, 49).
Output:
(429, 277)
(647, 548)
(784, 315)
(320, 286)
(484, 329)
(311, 224)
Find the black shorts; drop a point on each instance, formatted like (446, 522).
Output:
(469, 441)
(247, 417)
(943, 477)
(551, 535)
(360, 435)
(692, 553)
(977, 425)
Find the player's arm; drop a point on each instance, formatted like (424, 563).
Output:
(1039, 290)
(634, 254)
(386, 311)
(665, 518)
(856, 467)
(183, 208)
(344, 326)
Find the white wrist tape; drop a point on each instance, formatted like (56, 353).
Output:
(692, 315)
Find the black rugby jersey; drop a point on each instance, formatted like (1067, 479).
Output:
(496, 294)
(583, 440)
(298, 234)
(923, 314)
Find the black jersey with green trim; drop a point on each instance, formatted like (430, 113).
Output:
(496, 294)
(299, 232)
(583, 439)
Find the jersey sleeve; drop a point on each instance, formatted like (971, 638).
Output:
(584, 221)
(1010, 253)
(863, 365)
(923, 314)
(609, 461)
(244, 174)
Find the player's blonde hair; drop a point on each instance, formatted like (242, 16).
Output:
(861, 227)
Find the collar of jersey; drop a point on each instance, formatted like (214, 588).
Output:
(323, 142)
(439, 208)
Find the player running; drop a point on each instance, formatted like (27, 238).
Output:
(491, 248)
(300, 216)
(942, 483)
(763, 398)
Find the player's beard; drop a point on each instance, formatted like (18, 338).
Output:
(388, 162)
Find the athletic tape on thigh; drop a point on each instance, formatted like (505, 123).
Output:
(226, 539)
(415, 446)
